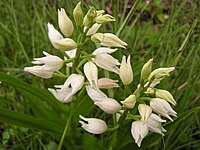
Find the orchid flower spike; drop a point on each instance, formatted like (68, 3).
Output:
(93, 125)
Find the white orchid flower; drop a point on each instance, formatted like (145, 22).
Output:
(51, 62)
(139, 130)
(93, 125)
(108, 39)
(39, 71)
(106, 61)
(108, 105)
(72, 85)
(162, 107)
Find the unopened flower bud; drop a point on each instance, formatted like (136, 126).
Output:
(89, 17)
(108, 39)
(66, 44)
(164, 94)
(78, 14)
(145, 111)
(160, 73)
(146, 70)
(150, 91)
(125, 71)
(129, 102)
(100, 12)
(65, 24)
(104, 18)
(93, 125)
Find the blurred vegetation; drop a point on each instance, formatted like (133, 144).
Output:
(166, 30)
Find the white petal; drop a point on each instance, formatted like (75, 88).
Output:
(139, 130)
(103, 50)
(95, 94)
(53, 34)
(93, 125)
(109, 105)
(39, 71)
(91, 73)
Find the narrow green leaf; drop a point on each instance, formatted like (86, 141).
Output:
(28, 121)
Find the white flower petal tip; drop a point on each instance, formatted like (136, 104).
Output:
(126, 72)
(144, 111)
(91, 73)
(139, 130)
(65, 24)
(93, 125)
(106, 83)
(53, 35)
(39, 71)
(71, 86)
(163, 108)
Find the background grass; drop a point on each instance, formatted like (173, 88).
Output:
(165, 30)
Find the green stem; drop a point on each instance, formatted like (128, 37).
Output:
(69, 60)
(59, 75)
(65, 130)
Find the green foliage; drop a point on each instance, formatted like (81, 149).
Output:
(166, 31)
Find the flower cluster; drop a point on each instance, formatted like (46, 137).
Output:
(151, 103)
